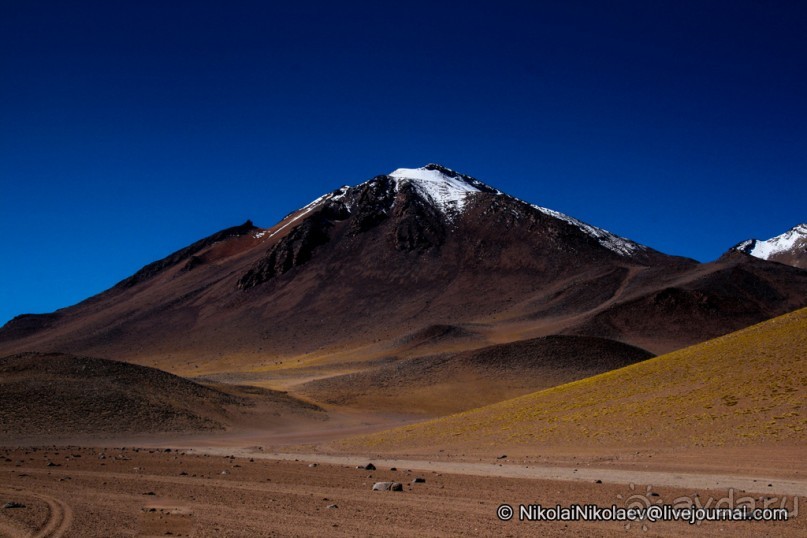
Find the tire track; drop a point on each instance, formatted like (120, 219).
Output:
(60, 517)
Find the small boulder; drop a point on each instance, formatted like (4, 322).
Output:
(12, 504)
(418, 480)
(387, 486)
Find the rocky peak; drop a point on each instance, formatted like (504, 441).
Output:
(789, 248)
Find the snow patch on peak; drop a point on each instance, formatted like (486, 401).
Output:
(614, 243)
(447, 192)
(447, 189)
(781, 243)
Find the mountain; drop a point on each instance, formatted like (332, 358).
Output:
(789, 248)
(343, 282)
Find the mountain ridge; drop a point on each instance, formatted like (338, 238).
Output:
(375, 262)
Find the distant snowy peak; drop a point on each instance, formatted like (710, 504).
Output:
(446, 188)
(793, 243)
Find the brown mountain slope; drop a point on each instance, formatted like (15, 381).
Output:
(390, 257)
(738, 290)
(745, 388)
(56, 395)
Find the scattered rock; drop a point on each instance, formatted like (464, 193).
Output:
(393, 468)
(654, 494)
(598, 481)
(51, 464)
(418, 480)
(312, 465)
(387, 486)
(149, 493)
(503, 456)
(368, 467)
(332, 507)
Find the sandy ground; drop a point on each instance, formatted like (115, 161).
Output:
(69, 491)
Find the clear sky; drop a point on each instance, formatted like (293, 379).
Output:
(130, 129)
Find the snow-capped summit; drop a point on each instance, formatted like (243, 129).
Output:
(449, 191)
(445, 187)
(446, 190)
(789, 248)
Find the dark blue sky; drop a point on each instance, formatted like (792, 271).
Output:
(130, 129)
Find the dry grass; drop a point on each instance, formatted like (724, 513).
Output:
(745, 388)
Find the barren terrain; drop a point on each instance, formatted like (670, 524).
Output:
(69, 491)
(292, 469)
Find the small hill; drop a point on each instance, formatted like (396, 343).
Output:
(745, 388)
(57, 394)
(452, 382)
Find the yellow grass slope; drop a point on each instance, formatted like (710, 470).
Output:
(745, 388)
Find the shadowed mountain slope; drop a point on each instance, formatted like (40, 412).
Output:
(451, 382)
